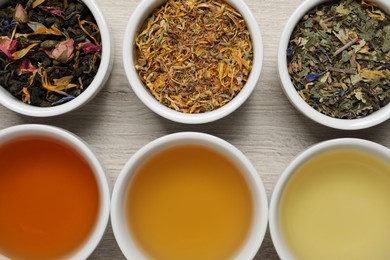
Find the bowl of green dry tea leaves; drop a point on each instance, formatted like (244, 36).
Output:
(192, 61)
(334, 62)
(55, 55)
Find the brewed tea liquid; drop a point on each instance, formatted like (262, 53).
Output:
(337, 206)
(189, 202)
(49, 199)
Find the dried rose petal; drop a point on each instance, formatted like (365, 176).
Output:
(90, 47)
(63, 52)
(26, 66)
(20, 14)
(54, 11)
(8, 46)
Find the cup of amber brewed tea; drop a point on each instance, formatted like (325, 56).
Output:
(333, 202)
(189, 196)
(54, 195)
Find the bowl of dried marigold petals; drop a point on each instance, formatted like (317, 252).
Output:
(192, 61)
(55, 55)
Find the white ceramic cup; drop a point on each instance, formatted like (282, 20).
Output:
(345, 124)
(101, 77)
(349, 143)
(21, 131)
(118, 212)
(143, 10)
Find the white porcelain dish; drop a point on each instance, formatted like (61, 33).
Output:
(143, 10)
(342, 143)
(371, 120)
(102, 75)
(21, 131)
(118, 219)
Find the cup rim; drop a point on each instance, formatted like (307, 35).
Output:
(142, 11)
(129, 247)
(373, 119)
(82, 148)
(101, 77)
(354, 143)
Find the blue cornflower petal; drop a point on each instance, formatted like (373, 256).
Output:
(314, 76)
(62, 100)
(290, 51)
(6, 24)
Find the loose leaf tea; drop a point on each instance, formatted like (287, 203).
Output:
(50, 50)
(339, 58)
(194, 56)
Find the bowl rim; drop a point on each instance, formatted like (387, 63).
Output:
(142, 11)
(101, 77)
(308, 153)
(373, 119)
(260, 222)
(79, 145)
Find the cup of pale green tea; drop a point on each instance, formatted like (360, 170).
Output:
(189, 196)
(54, 195)
(333, 202)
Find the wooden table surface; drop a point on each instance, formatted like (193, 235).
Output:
(267, 128)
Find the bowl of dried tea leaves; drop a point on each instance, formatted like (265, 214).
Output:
(55, 55)
(334, 62)
(192, 61)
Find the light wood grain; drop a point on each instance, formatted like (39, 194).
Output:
(267, 128)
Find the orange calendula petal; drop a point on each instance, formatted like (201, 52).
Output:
(20, 54)
(94, 26)
(52, 30)
(37, 3)
(27, 96)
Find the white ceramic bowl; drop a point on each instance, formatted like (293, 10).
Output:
(373, 119)
(20, 131)
(118, 218)
(143, 10)
(102, 75)
(349, 143)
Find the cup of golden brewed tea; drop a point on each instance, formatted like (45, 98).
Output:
(54, 195)
(189, 196)
(333, 202)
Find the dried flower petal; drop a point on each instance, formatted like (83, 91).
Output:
(374, 12)
(20, 54)
(63, 100)
(59, 84)
(8, 46)
(89, 47)
(20, 14)
(6, 24)
(64, 51)
(93, 26)
(26, 66)
(314, 76)
(37, 3)
(52, 10)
